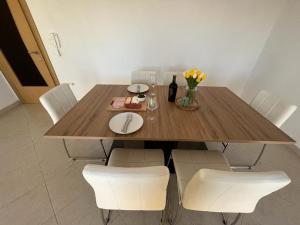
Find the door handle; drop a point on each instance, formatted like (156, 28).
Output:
(34, 53)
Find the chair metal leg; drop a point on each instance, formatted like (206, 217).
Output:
(104, 220)
(254, 164)
(101, 142)
(169, 160)
(162, 217)
(168, 207)
(66, 149)
(108, 216)
(173, 219)
(236, 219)
(259, 156)
(223, 219)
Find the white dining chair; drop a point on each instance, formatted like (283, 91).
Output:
(144, 77)
(206, 183)
(57, 102)
(280, 113)
(262, 103)
(134, 179)
(259, 99)
(273, 109)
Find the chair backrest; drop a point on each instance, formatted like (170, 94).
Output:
(168, 76)
(230, 192)
(58, 101)
(119, 188)
(280, 113)
(143, 77)
(259, 100)
(272, 108)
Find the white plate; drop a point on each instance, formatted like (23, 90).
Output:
(133, 88)
(116, 123)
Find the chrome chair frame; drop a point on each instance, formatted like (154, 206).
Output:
(106, 219)
(85, 158)
(177, 214)
(245, 166)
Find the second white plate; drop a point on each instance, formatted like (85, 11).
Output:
(116, 123)
(133, 88)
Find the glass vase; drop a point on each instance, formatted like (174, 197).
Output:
(191, 94)
(189, 100)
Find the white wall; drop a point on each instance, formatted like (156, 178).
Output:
(278, 67)
(7, 95)
(104, 40)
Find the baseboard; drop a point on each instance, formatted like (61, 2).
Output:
(10, 107)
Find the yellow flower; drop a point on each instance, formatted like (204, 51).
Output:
(191, 72)
(203, 76)
(186, 74)
(196, 74)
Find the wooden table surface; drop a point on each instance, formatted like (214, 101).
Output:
(222, 116)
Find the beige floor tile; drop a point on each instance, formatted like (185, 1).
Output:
(135, 218)
(29, 162)
(274, 211)
(14, 123)
(21, 154)
(81, 210)
(8, 144)
(52, 156)
(50, 221)
(69, 185)
(19, 182)
(33, 208)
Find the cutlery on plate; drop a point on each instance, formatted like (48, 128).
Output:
(138, 88)
(127, 122)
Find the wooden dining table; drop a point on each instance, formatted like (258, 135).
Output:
(222, 116)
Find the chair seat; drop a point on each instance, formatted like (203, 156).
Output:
(124, 157)
(188, 162)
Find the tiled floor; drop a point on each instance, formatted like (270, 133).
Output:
(40, 186)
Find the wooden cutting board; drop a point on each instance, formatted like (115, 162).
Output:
(122, 109)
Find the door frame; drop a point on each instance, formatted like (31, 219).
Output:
(9, 74)
(22, 5)
(38, 39)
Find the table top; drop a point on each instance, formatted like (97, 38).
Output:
(222, 116)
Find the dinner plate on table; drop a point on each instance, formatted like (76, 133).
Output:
(117, 122)
(134, 88)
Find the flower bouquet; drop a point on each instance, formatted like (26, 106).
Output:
(193, 78)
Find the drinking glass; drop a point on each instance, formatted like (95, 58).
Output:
(153, 81)
(152, 103)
